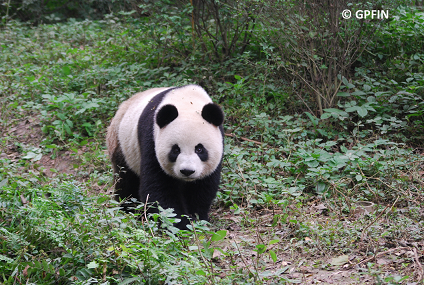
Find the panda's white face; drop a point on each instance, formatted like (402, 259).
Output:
(188, 141)
(189, 150)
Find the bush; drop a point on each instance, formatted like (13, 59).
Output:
(313, 46)
(216, 30)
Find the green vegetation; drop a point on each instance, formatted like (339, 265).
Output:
(307, 139)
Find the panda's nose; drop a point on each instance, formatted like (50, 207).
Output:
(187, 172)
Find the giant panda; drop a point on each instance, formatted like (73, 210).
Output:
(166, 146)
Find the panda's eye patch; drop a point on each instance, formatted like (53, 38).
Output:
(173, 154)
(199, 148)
(175, 149)
(201, 151)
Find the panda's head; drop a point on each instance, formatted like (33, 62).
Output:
(188, 140)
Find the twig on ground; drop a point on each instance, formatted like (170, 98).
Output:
(383, 253)
(145, 215)
(242, 138)
(378, 217)
(418, 264)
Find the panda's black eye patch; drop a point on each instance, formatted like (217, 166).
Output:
(173, 154)
(201, 151)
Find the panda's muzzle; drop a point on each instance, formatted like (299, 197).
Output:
(187, 172)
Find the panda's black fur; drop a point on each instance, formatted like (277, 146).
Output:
(187, 198)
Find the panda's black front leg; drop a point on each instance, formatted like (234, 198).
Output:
(199, 196)
(167, 197)
(175, 200)
(181, 214)
(199, 208)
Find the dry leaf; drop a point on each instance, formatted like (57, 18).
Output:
(383, 261)
(320, 207)
(340, 260)
(25, 272)
(23, 199)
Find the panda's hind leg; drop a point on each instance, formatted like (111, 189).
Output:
(127, 182)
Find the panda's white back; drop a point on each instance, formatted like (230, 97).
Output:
(127, 135)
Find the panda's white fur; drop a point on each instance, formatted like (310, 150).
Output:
(184, 130)
(194, 181)
(188, 130)
(127, 134)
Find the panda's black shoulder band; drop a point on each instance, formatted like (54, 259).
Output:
(213, 114)
(166, 115)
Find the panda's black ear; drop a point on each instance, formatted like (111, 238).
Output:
(165, 115)
(213, 114)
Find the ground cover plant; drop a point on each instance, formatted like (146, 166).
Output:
(289, 208)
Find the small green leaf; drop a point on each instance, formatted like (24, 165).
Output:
(261, 248)
(29, 155)
(371, 99)
(92, 264)
(358, 93)
(219, 235)
(362, 112)
(366, 87)
(343, 94)
(38, 157)
(101, 200)
(312, 164)
(45, 265)
(51, 146)
(325, 116)
(201, 272)
(3, 182)
(61, 116)
(352, 109)
(30, 78)
(67, 129)
(66, 70)
(273, 255)
(320, 187)
(313, 119)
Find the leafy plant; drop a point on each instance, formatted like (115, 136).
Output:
(71, 114)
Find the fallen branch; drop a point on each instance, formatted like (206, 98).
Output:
(242, 138)
(383, 253)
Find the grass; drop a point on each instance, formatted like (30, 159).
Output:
(286, 212)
